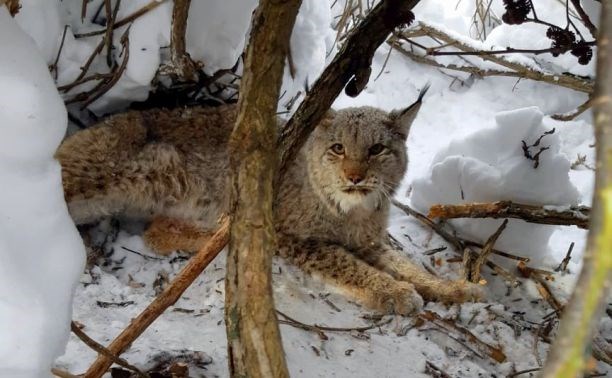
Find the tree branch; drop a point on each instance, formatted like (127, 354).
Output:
(563, 80)
(253, 336)
(567, 356)
(585, 18)
(574, 216)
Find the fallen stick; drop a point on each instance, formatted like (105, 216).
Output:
(538, 277)
(495, 353)
(167, 298)
(574, 216)
(475, 264)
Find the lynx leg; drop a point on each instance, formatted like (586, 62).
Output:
(372, 287)
(429, 286)
(165, 235)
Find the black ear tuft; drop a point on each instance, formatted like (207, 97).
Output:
(403, 118)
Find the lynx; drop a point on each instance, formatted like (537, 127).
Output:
(171, 168)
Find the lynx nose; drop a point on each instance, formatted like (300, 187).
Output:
(355, 178)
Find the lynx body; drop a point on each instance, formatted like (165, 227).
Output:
(172, 168)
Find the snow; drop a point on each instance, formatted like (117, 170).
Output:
(490, 165)
(41, 253)
(210, 40)
(465, 123)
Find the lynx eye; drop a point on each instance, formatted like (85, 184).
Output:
(376, 149)
(338, 149)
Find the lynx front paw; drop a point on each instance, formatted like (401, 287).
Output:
(400, 299)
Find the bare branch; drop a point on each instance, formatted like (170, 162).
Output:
(574, 216)
(129, 18)
(564, 80)
(584, 17)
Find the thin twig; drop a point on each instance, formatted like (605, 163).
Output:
(93, 344)
(573, 114)
(484, 348)
(568, 256)
(584, 17)
(564, 80)
(59, 52)
(509, 50)
(131, 17)
(315, 327)
(474, 269)
(521, 372)
(497, 251)
(85, 68)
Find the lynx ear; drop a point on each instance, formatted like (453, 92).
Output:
(402, 119)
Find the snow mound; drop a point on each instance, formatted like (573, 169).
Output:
(41, 253)
(491, 165)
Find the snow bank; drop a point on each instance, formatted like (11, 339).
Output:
(41, 253)
(490, 165)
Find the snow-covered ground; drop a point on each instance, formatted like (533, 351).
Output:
(125, 277)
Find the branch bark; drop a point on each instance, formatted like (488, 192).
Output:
(567, 356)
(352, 66)
(574, 216)
(253, 336)
(181, 66)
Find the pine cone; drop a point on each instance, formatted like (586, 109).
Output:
(516, 11)
(583, 52)
(562, 40)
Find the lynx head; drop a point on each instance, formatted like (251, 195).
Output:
(357, 156)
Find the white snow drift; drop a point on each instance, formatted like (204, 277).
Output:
(491, 165)
(41, 253)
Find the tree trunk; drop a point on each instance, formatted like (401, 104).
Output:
(580, 317)
(254, 344)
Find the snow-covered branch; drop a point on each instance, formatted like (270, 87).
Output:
(512, 68)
